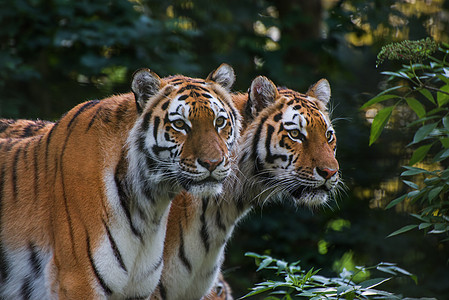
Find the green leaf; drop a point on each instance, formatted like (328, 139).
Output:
(426, 93)
(402, 230)
(396, 74)
(377, 99)
(413, 171)
(444, 142)
(442, 155)
(396, 201)
(419, 154)
(424, 225)
(443, 78)
(446, 122)
(370, 283)
(423, 132)
(379, 122)
(443, 98)
(264, 263)
(435, 192)
(417, 107)
(411, 184)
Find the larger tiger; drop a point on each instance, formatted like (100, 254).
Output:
(287, 151)
(84, 203)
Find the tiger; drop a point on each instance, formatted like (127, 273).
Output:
(286, 151)
(84, 202)
(25, 128)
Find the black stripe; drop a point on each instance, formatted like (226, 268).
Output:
(182, 253)
(120, 113)
(203, 231)
(103, 284)
(272, 157)
(156, 149)
(256, 138)
(124, 202)
(5, 123)
(114, 247)
(36, 169)
(94, 117)
(26, 288)
(14, 173)
(183, 97)
(157, 121)
(165, 105)
(162, 291)
(47, 143)
(64, 195)
(35, 262)
(28, 130)
(219, 220)
(81, 109)
(3, 261)
(146, 121)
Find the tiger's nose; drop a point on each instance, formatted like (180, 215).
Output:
(210, 164)
(326, 173)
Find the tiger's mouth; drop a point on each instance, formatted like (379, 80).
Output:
(310, 196)
(206, 187)
(303, 190)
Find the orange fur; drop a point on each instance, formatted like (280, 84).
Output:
(62, 185)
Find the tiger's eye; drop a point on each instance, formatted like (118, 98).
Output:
(294, 133)
(297, 135)
(330, 136)
(220, 121)
(179, 124)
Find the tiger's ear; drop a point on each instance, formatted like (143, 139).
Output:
(321, 91)
(145, 84)
(261, 94)
(224, 75)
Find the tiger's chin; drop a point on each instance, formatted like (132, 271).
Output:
(310, 197)
(205, 188)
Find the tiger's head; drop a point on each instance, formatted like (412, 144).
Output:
(290, 146)
(187, 128)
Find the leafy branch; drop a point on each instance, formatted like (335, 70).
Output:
(296, 283)
(424, 88)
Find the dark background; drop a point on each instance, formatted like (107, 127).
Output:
(56, 54)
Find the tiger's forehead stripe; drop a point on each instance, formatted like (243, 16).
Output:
(306, 109)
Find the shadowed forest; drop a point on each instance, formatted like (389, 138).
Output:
(56, 54)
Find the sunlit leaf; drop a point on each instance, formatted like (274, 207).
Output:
(419, 154)
(426, 93)
(265, 263)
(379, 122)
(443, 98)
(417, 107)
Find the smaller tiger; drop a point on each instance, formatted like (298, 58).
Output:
(286, 152)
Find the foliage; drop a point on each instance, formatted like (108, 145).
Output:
(407, 50)
(296, 283)
(424, 89)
